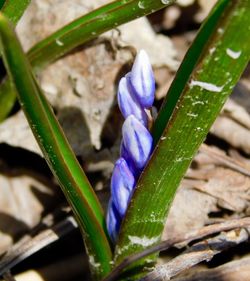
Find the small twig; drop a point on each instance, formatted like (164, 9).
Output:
(28, 246)
(237, 270)
(199, 252)
(225, 160)
(164, 245)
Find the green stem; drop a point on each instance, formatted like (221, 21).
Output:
(14, 9)
(57, 152)
(205, 79)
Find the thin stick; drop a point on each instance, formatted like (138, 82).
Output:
(202, 251)
(164, 245)
(27, 247)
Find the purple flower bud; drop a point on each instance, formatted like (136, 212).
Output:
(135, 94)
(124, 154)
(113, 220)
(128, 104)
(122, 184)
(142, 80)
(137, 141)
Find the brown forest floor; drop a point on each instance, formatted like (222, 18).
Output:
(211, 211)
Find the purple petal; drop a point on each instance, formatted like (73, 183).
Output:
(137, 141)
(124, 154)
(113, 221)
(142, 80)
(128, 104)
(122, 184)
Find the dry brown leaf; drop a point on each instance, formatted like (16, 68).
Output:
(23, 199)
(207, 188)
(232, 132)
(82, 85)
(15, 131)
(236, 112)
(189, 211)
(231, 189)
(233, 124)
(83, 92)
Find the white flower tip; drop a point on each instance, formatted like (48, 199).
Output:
(142, 55)
(142, 79)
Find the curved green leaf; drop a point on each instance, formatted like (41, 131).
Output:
(14, 9)
(80, 31)
(207, 76)
(57, 151)
(89, 27)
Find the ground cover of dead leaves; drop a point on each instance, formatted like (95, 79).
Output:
(211, 211)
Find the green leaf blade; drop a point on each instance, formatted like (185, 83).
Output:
(57, 152)
(78, 32)
(14, 9)
(89, 27)
(183, 73)
(209, 82)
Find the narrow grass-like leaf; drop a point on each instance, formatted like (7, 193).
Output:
(217, 59)
(14, 9)
(89, 27)
(78, 32)
(57, 151)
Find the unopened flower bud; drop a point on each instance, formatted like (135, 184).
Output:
(135, 95)
(124, 154)
(122, 184)
(142, 80)
(113, 221)
(128, 103)
(137, 141)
